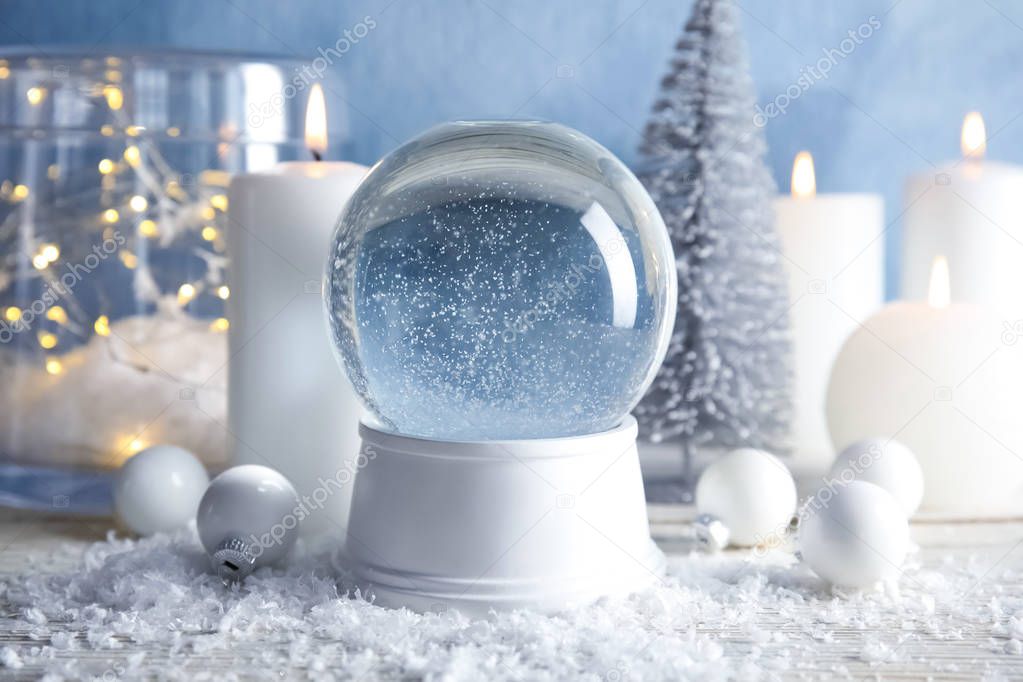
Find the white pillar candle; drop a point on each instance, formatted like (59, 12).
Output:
(289, 405)
(941, 379)
(834, 255)
(970, 211)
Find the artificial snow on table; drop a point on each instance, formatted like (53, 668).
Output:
(151, 608)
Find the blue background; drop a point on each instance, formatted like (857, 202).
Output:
(892, 107)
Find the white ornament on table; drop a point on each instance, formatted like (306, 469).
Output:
(886, 463)
(854, 535)
(751, 492)
(248, 517)
(287, 394)
(939, 377)
(835, 265)
(158, 489)
(971, 212)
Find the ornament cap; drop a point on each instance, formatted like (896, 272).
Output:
(233, 559)
(711, 532)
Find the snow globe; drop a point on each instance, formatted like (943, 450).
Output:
(500, 294)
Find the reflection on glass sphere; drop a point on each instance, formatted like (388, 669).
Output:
(500, 280)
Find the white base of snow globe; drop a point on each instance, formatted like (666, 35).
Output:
(543, 524)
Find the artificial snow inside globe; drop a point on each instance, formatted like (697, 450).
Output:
(500, 294)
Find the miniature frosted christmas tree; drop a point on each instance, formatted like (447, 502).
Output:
(725, 380)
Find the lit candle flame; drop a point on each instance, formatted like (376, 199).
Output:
(973, 140)
(316, 123)
(939, 294)
(804, 181)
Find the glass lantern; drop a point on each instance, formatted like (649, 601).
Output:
(113, 203)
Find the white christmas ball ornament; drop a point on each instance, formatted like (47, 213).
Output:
(751, 491)
(159, 489)
(886, 463)
(854, 535)
(249, 517)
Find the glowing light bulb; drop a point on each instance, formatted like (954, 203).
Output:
(102, 325)
(138, 203)
(128, 259)
(54, 366)
(148, 228)
(12, 313)
(223, 292)
(219, 202)
(47, 340)
(111, 215)
(209, 233)
(106, 166)
(221, 324)
(50, 252)
(20, 192)
(186, 292)
(114, 97)
(174, 189)
(173, 131)
(39, 262)
(35, 95)
(132, 155)
(57, 314)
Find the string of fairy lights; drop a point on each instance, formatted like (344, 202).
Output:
(137, 192)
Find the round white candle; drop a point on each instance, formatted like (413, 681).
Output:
(972, 213)
(941, 379)
(289, 405)
(834, 257)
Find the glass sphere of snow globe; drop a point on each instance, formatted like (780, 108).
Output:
(500, 280)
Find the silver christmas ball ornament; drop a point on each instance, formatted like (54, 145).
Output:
(249, 517)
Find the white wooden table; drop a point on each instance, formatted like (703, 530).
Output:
(991, 547)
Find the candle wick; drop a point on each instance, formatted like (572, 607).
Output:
(317, 156)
